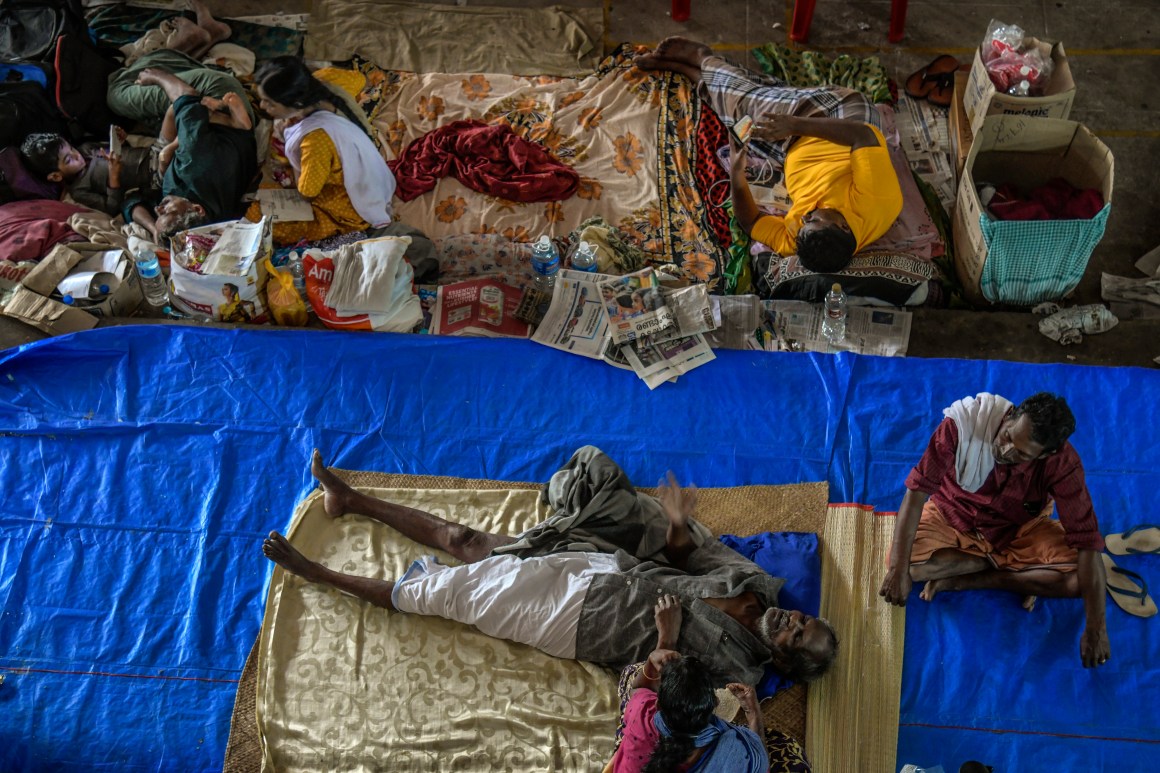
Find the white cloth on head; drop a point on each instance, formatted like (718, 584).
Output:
(368, 180)
(977, 419)
(534, 601)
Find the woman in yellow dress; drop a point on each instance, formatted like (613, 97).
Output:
(337, 166)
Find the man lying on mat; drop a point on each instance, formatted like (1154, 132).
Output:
(583, 584)
(826, 139)
(977, 512)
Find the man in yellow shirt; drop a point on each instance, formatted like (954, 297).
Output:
(826, 141)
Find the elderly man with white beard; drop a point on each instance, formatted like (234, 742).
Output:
(584, 583)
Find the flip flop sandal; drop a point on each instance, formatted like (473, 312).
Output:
(1129, 596)
(922, 82)
(1138, 539)
(943, 92)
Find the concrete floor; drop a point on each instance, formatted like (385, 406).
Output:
(1111, 50)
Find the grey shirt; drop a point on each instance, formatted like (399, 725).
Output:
(596, 508)
(91, 188)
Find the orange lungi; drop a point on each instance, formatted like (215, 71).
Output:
(1039, 543)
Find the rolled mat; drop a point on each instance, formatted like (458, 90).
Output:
(852, 718)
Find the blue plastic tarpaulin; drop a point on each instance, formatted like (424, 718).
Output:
(142, 466)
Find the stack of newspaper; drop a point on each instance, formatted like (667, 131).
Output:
(630, 322)
(796, 326)
(924, 133)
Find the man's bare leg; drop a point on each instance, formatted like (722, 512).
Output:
(676, 54)
(465, 543)
(218, 30)
(948, 563)
(1030, 583)
(279, 550)
(174, 89)
(190, 39)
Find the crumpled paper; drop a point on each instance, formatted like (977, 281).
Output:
(1068, 325)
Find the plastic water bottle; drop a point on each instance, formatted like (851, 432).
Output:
(546, 263)
(834, 322)
(97, 293)
(584, 259)
(152, 282)
(298, 272)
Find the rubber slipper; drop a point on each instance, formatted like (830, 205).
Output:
(1128, 589)
(923, 82)
(1138, 539)
(943, 92)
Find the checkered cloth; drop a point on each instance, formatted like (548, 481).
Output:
(734, 92)
(1031, 261)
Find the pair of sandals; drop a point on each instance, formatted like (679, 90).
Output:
(936, 82)
(1127, 588)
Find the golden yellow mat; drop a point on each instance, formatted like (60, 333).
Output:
(853, 710)
(342, 685)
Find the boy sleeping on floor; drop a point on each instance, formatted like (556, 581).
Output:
(97, 178)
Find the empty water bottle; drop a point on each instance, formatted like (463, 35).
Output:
(584, 258)
(298, 271)
(834, 321)
(152, 282)
(546, 263)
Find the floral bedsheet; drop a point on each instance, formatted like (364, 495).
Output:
(629, 134)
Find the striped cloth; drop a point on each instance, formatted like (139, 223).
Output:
(734, 92)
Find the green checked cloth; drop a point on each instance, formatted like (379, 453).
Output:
(1032, 261)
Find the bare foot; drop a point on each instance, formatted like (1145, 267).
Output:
(218, 31)
(336, 494)
(279, 550)
(932, 589)
(683, 50)
(1029, 603)
(650, 63)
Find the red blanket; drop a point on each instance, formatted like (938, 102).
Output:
(487, 158)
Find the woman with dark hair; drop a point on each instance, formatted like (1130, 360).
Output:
(332, 149)
(669, 720)
(669, 724)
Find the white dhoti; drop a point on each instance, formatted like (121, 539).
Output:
(534, 601)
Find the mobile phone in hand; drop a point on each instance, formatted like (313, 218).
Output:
(742, 129)
(114, 142)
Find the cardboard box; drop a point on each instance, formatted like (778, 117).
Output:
(960, 128)
(31, 302)
(982, 99)
(1027, 152)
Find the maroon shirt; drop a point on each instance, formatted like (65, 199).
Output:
(1012, 495)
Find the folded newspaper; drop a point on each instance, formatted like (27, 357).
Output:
(634, 305)
(579, 321)
(797, 326)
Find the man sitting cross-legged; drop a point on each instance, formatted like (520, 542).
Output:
(583, 584)
(977, 512)
(827, 141)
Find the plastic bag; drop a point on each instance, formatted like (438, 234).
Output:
(286, 305)
(227, 285)
(1014, 66)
